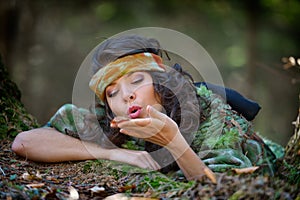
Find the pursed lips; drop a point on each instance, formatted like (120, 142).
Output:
(134, 111)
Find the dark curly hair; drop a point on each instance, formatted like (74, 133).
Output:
(174, 88)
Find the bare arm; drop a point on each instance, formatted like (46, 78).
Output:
(49, 145)
(188, 161)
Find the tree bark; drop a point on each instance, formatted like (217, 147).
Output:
(290, 167)
(293, 146)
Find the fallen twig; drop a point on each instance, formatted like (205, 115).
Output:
(2, 172)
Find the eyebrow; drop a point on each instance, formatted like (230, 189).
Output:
(112, 84)
(127, 75)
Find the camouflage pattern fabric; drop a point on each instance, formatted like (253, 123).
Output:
(77, 122)
(225, 139)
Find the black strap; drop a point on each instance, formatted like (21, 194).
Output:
(238, 102)
(144, 50)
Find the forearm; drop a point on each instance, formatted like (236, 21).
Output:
(191, 165)
(188, 161)
(49, 145)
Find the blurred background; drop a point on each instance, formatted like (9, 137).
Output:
(43, 43)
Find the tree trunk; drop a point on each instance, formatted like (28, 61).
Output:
(13, 116)
(291, 164)
(293, 147)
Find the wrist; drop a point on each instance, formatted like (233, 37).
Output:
(112, 154)
(117, 154)
(96, 151)
(178, 146)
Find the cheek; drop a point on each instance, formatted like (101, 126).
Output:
(150, 95)
(114, 106)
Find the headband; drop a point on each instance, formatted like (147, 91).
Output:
(114, 70)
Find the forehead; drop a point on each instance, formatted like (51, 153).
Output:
(128, 76)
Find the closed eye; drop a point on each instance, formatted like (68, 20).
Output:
(112, 93)
(137, 79)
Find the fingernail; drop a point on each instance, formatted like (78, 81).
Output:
(148, 107)
(113, 125)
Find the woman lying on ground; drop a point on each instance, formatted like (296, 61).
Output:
(172, 122)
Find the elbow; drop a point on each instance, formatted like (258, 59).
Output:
(20, 142)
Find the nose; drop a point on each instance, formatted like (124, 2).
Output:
(129, 95)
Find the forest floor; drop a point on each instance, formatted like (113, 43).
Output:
(24, 179)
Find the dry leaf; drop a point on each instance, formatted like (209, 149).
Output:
(73, 193)
(38, 175)
(97, 189)
(2, 171)
(53, 179)
(26, 176)
(124, 197)
(247, 170)
(35, 185)
(117, 197)
(126, 187)
(142, 198)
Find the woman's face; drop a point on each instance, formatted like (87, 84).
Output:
(129, 95)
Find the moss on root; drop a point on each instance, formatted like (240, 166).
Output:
(13, 116)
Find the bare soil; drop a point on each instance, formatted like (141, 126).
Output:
(24, 179)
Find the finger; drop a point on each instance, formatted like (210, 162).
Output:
(210, 175)
(153, 164)
(130, 133)
(157, 166)
(153, 113)
(149, 162)
(135, 133)
(147, 126)
(140, 122)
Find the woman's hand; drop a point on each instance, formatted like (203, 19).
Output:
(137, 158)
(158, 128)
